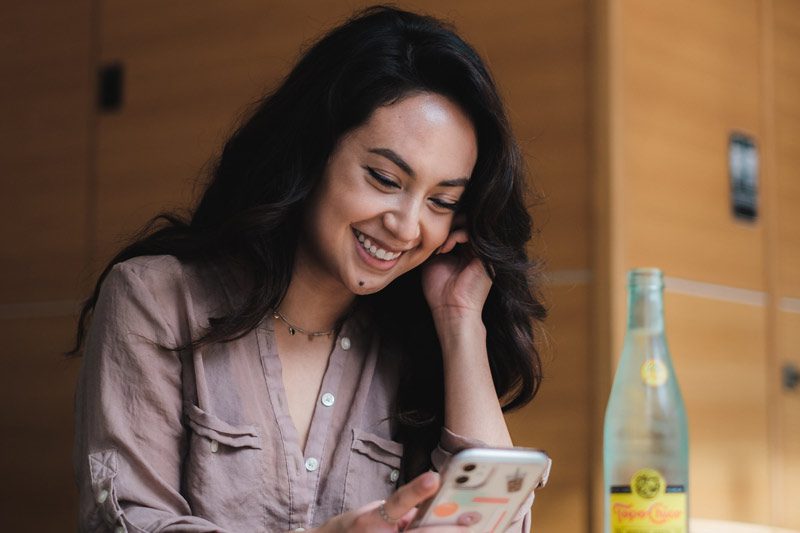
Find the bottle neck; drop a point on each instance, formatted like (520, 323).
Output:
(646, 308)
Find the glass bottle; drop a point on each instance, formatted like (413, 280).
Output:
(645, 437)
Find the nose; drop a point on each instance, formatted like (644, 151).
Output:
(404, 222)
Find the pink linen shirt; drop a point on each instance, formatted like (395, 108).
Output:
(202, 440)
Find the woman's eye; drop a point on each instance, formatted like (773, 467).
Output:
(380, 178)
(444, 204)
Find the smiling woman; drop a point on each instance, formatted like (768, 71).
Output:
(349, 304)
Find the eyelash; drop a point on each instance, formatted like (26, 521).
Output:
(381, 179)
(386, 182)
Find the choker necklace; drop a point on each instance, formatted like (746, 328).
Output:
(293, 330)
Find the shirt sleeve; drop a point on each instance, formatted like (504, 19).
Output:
(450, 444)
(129, 436)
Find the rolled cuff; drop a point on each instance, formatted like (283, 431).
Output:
(450, 444)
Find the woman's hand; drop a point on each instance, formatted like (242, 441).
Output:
(400, 508)
(454, 282)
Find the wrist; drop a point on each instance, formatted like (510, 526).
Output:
(458, 322)
(461, 337)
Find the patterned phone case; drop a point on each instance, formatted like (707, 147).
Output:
(484, 488)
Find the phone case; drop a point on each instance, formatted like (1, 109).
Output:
(484, 488)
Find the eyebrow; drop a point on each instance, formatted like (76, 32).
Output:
(395, 158)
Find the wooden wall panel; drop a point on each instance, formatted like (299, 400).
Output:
(45, 101)
(784, 252)
(786, 84)
(689, 74)
(558, 420)
(718, 349)
(787, 413)
(36, 390)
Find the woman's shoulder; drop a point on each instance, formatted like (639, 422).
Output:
(156, 274)
(192, 289)
(151, 267)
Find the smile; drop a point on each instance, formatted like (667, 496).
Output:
(373, 250)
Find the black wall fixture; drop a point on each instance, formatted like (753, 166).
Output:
(743, 171)
(110, 84)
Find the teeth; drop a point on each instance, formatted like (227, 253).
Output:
(380, 253)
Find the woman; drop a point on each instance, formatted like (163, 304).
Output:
(347, 306)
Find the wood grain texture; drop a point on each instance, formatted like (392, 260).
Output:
(787, 410)
(558, 419)
(718, 349)
(36, 388)
(46, 94)
(688, 76)
(786, 85)
(782, 30)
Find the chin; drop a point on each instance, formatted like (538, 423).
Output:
(368, 288)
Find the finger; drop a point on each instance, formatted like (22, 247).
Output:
(409, 495)
(490, 270)
(458, 236)
(407, 518)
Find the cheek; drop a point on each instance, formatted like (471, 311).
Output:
(438, 235)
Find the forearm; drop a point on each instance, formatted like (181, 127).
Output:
(472, 408)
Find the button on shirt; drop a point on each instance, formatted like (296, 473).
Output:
(328, 399)
(203, 439)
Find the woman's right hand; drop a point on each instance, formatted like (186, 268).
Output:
(400, 508)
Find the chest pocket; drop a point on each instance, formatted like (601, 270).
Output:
(224, 465)
(373, 469)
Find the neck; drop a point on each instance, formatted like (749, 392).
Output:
(313, 304)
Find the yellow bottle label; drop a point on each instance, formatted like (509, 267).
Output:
(648, 505)
(654, 373)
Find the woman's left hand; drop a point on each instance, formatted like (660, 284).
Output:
(455, 282)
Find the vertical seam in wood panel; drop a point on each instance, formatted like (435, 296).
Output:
(768, 205)
(604, 243)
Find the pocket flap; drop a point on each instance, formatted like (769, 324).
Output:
(377, 448)
(208, 425)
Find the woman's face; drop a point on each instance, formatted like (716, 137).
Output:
(388, 195)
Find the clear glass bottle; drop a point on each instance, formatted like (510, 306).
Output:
(645, 437)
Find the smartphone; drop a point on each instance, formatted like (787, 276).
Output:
(484, 488)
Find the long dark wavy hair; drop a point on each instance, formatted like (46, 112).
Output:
(250, 211)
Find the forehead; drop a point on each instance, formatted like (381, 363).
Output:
(429, 131)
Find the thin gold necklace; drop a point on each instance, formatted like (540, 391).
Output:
(293, 330)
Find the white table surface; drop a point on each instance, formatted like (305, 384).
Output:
(701, 525)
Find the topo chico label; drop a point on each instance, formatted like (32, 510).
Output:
(648, 505)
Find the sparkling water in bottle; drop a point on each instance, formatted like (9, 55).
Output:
(645, 438)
